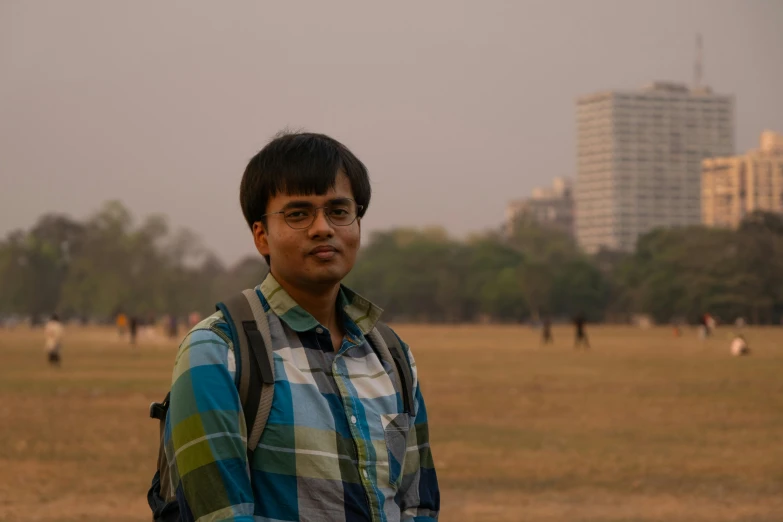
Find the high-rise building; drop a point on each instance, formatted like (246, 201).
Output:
(639, 160)
(735, 186)
(550, 206)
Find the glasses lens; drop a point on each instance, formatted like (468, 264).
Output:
(299, 217)
(341, 213)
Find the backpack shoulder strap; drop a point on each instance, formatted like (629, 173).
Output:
(401, 362)
(263, 355)
(250, 326)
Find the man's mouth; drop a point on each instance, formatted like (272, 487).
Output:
(324, 252)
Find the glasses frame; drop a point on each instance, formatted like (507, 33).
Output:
(315, 215)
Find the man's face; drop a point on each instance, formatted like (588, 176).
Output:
(319, 255)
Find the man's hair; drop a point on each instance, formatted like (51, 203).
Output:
(299, 164)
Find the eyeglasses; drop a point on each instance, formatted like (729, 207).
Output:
(340, 212)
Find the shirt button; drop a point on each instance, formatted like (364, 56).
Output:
(353, 419)
(319, 330)
(364, 472)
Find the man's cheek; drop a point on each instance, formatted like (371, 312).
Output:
(352, 250)
(354, 240)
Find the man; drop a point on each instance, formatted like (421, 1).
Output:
(546, 331)
(53, 331)
(337, 431)
(581, 335)
(122, 324)
(171, 325)
(133, 328)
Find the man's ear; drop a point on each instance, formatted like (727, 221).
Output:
(260, 238)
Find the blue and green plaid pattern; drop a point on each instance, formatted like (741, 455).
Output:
(337, 446)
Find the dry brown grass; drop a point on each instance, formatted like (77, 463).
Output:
(644, 427)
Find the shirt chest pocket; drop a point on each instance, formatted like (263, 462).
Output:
(395, 429)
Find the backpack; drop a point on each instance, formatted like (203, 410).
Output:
(245, 314)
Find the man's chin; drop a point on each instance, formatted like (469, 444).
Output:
(328, 275)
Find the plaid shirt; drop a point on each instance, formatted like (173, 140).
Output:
(337, 445)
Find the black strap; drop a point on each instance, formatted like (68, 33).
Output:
(158, 409)
(250, 407)
(239, 314)
(401, 361)
(256, 342)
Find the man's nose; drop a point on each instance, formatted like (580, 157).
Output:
(321, 225)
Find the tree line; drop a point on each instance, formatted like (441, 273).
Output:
(108, 263)
(674, 275)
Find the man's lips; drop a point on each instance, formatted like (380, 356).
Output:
(324, 252)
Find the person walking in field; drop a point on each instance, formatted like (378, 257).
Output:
(53, 332)
(546, 331)
(122, 324)
(133, 328)
(581, 334)
(171, 326)
(294, 401)
(706, 326)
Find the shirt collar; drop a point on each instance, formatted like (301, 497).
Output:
(362, 312)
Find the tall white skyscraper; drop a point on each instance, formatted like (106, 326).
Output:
(639, 160)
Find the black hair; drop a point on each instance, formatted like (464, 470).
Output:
(299, 163)
(55, 317)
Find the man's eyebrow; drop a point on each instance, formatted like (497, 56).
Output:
(297, 203)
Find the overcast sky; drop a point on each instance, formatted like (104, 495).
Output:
(455, 107)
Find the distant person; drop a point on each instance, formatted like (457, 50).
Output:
(581, 334)
(704, 326)
(122, 324)
(546, 331)
(739, 346)
(172, 326)
(345, 437)
(53, 332)
(133, 328)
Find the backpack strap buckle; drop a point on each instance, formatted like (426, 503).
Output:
(158, 409)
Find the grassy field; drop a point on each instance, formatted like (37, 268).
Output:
(644, 427)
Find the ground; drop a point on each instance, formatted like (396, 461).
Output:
(644, 427)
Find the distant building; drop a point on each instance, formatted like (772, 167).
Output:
(550, 206)
(735, 186)
(639, 158)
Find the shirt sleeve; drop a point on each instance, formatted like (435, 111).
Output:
(206, 433)
(419, 495)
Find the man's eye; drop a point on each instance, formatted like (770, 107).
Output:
(338, 212)
(297, 214)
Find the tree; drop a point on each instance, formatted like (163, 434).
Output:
(109, 263)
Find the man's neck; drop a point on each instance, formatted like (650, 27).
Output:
(320, 302)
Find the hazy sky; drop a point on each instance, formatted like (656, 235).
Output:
(455, 107)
